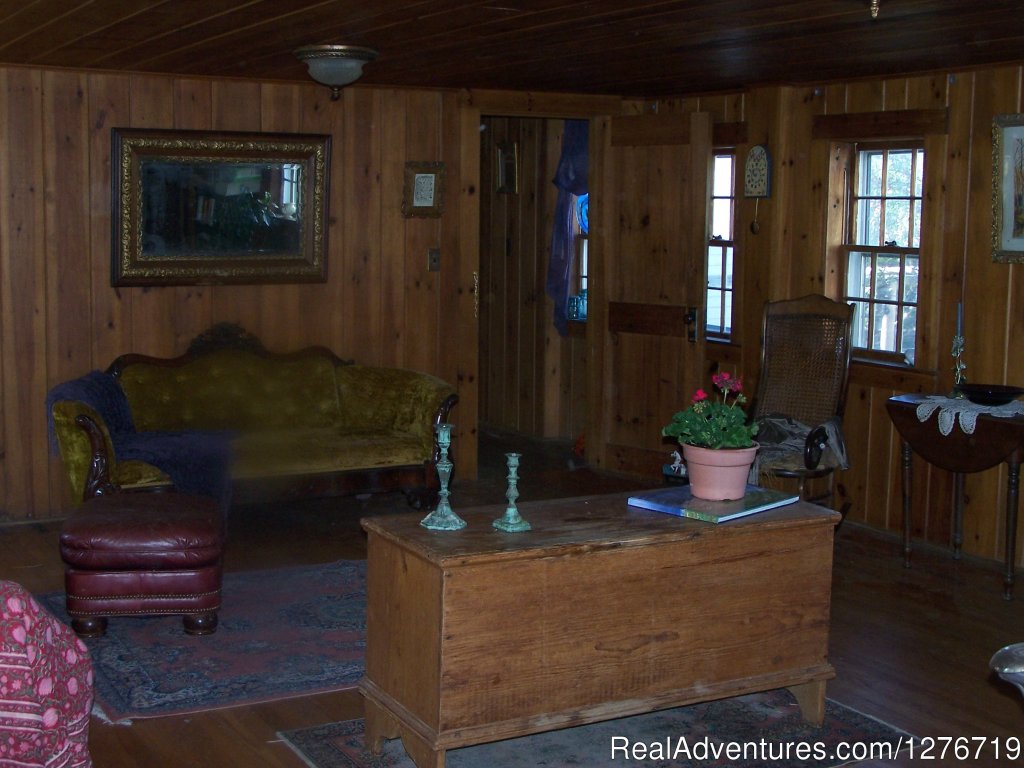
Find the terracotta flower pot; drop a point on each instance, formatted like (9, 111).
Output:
(719, 474)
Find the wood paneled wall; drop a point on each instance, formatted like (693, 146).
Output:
(531, 379)
(59, 316)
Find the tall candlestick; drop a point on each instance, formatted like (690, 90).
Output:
(443, 518)
(960, 319)
(512, 522)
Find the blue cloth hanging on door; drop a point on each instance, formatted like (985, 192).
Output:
(571, 180)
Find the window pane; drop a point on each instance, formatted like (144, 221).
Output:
(871, 174)
(869, 222)
(915, 236)
(714, 267)
(860, 324)
(858, 277)
(713, 323)
(911, 269)
(909, 332)
(723, 176)
(728, 271)
(898, 179)
(885, 328)
(728, 312)
(897, 222)
(584, 262)
(721, 218)
(887, 279)
(919, 173)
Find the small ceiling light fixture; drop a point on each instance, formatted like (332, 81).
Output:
(874, 8)
(335, 65)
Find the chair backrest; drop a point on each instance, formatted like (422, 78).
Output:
(805, 359)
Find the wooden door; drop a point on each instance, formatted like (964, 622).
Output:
(649, 192)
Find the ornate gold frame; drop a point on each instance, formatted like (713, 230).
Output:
(1007, 185)
(161, 244)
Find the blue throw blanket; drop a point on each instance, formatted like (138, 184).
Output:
(101, 392)
(196, 461)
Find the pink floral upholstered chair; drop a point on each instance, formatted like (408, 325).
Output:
(45, 686)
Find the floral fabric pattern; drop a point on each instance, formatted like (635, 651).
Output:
(46, 687)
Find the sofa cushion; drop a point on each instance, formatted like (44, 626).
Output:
(311, 451)
(232, 390)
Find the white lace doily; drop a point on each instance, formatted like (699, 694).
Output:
(953, 409)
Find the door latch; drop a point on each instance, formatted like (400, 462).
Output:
(690, 321)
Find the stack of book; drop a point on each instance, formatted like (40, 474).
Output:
(679, 500)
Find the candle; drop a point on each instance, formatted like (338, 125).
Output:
(960, 318)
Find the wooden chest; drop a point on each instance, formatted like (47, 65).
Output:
(600, 611)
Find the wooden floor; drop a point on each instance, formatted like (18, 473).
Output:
(910, 647)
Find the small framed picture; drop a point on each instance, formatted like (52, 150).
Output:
(1008, 188)
(423, 192)
(506, 170)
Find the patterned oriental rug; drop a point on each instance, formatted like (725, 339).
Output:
(755, 731)
(282, 633)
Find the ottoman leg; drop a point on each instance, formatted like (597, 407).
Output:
(200, 623)
(89, 626)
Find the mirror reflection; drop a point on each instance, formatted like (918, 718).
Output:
(213, 208)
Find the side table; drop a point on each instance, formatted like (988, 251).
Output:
(995, 440)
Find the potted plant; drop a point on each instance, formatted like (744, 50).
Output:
(717, 440)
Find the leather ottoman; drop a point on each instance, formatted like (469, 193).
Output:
(143, 554)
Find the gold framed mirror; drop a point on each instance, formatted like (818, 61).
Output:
(196, 207)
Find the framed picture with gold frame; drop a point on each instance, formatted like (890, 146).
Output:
(1008, 188)
(423, 191)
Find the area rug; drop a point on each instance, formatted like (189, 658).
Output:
(755, 731)
(282, 633)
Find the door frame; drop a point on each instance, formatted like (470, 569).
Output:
(473, 105)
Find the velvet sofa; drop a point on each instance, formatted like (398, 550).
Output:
(228, 418)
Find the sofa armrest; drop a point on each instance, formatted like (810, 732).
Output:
(97, 478)
(106, 475)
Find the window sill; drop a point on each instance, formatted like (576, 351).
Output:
(886, 374)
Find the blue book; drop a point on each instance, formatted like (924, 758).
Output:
(679, 501)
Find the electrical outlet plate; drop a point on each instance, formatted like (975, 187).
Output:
(433, 259)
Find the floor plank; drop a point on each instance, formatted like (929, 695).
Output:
(910, 646)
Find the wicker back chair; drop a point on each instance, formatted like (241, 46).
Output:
(805, 359)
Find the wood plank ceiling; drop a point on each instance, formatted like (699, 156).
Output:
(649, 48)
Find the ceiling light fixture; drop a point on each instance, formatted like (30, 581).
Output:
(874, 8)
(335, 65)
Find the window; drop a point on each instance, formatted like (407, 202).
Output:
(882, 247)
(718, 323)
(291, 185)
(578, 300)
